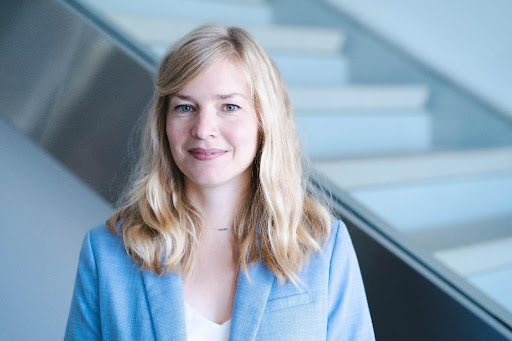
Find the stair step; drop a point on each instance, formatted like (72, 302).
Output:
(228, 13)
(236, 1)
(481, 257)
(160, 32)
(496, 284)
(355, 133)
(359, 97)
(302, 69)
(384, 170)
(445, 201)
(444, 237)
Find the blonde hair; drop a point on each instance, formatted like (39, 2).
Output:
(279, 221)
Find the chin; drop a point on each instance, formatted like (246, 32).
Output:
(210, 178)
(207, 180)
(208, 183)
(215, 181)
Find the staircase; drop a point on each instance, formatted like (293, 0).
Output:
(373, 141)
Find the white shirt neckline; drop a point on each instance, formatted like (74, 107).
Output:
(191, 310)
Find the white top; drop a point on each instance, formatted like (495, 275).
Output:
(199, 328)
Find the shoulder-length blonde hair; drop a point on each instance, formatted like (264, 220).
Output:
(279, 221)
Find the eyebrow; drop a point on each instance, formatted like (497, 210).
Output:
(233, 94)
(220, 96)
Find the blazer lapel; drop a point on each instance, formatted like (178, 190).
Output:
(165, 298)
(250, 301)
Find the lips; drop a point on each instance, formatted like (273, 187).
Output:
(206, 154)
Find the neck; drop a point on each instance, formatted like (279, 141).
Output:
(218, 204)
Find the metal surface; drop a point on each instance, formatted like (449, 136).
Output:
(72, 89)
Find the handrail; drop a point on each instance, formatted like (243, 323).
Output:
(123, 40)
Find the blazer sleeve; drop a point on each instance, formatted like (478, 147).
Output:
(349, 316)
(84, 316)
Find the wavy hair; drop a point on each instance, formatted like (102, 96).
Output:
(279, 221)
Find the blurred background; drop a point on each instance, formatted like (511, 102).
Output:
(403, 107)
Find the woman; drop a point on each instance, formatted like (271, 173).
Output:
(219, 189)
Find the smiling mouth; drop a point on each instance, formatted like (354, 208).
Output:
(206, 154)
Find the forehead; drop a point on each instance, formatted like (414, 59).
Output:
(221, 79)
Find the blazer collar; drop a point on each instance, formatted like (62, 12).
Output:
(166, 303)
(165, 298)
(250, 301)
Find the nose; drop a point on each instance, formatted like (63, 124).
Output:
(205, 124)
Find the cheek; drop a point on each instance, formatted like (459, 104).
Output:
(249, 138)
(174, 136)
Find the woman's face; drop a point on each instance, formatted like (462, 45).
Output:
(212, 127)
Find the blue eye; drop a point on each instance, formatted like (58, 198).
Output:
(184, 108)
(231, 107)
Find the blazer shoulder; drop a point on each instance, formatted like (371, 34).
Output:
(338, 234)
(101, 234)
(105, 243)
(321, 261)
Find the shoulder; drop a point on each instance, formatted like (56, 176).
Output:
(104, 246)
(101, 234)
(336, 252)
(349, 316)
(102, 239)
(336, 263)
(339, 239)
(340, 254)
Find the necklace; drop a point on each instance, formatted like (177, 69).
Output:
(222, 229)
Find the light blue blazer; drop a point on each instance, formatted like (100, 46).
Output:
(114, 300)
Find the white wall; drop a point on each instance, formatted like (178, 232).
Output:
(45, 212)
